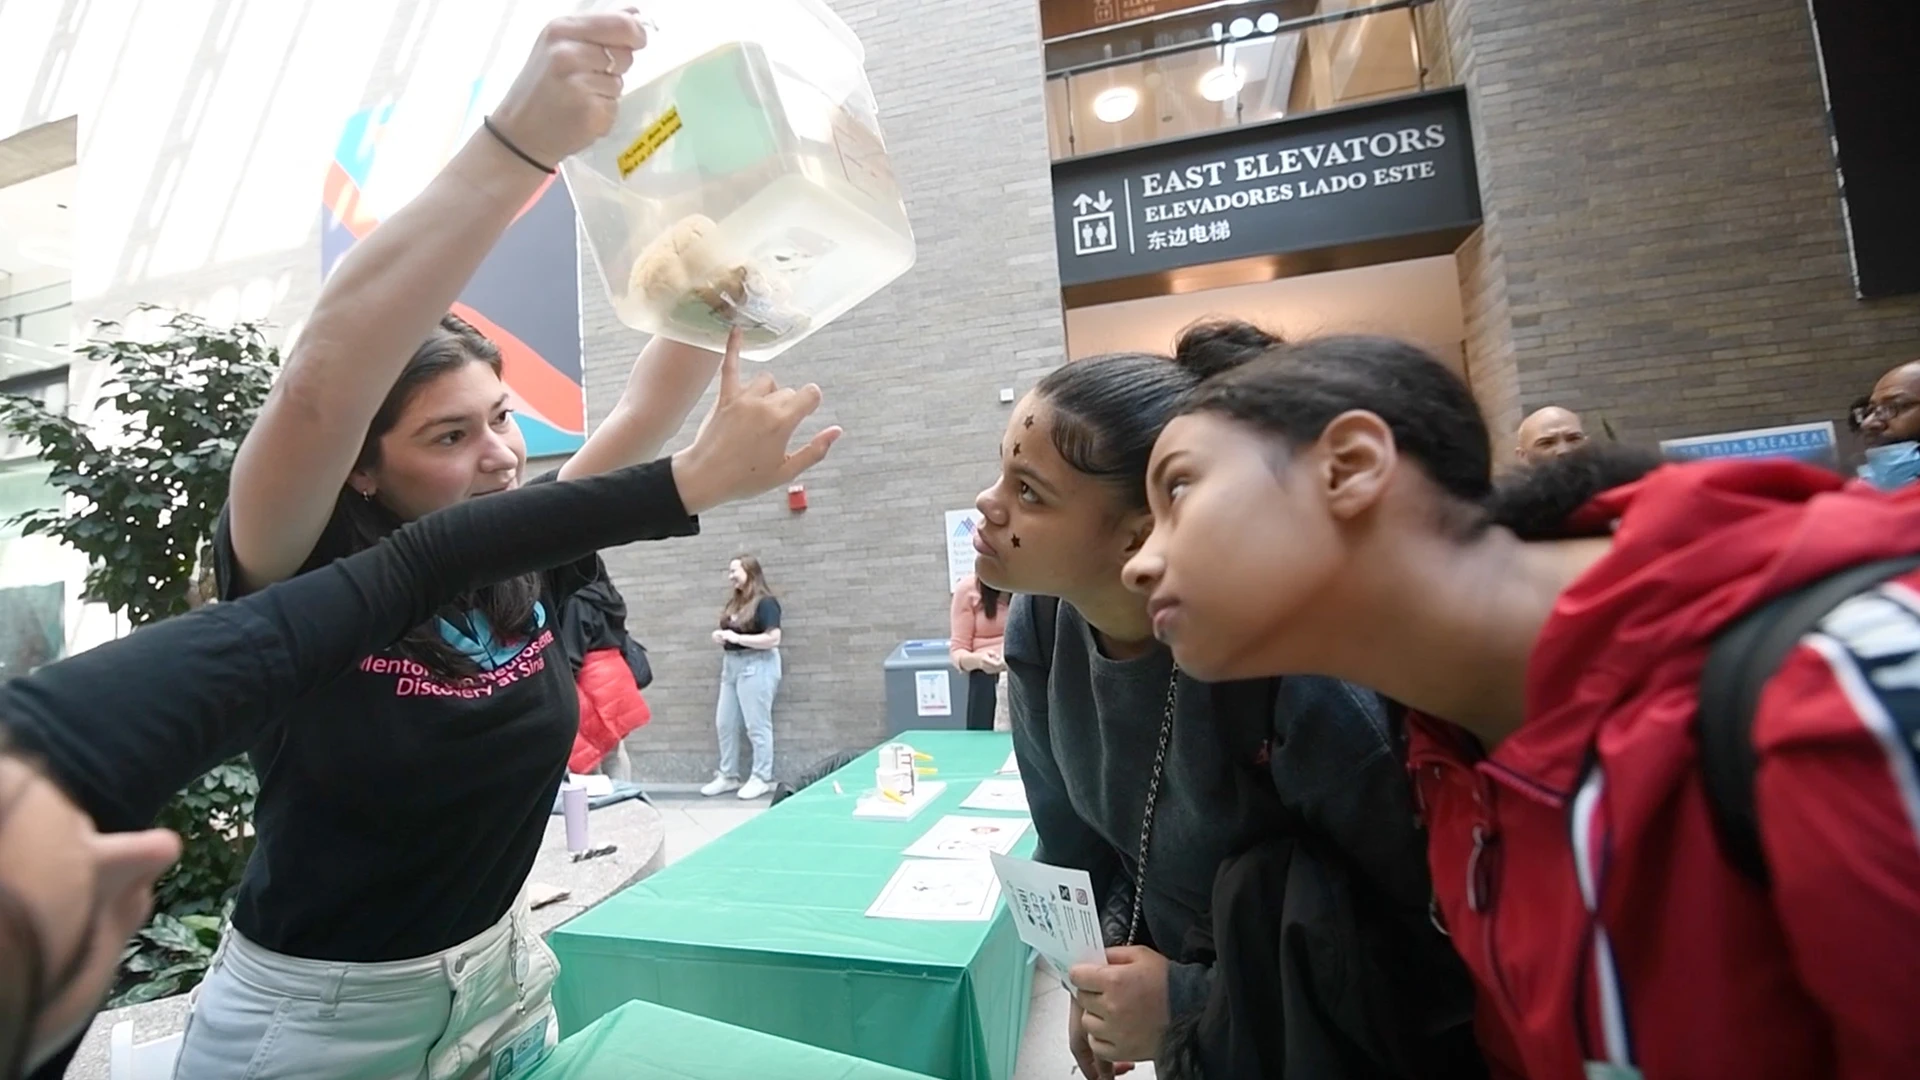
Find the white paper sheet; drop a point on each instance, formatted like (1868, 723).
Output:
(1012, 766)
(960, 554)
(939, 890)
(1054, 910)
(961, 836)
(933, 692)
(875, 805)
(1008, 795)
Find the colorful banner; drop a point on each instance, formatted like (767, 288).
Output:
(525, 297)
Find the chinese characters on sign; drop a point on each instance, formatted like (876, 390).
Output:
(1192, 234)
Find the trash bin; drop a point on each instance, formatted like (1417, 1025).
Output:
(924, 689)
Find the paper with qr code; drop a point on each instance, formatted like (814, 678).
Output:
(1054, 910)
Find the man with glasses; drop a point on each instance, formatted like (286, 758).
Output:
(1888, 421)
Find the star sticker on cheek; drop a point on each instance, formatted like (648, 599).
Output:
(1016, 541)
(1016, 449)
(1028, 422)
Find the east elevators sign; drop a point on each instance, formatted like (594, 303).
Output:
(1371, 173)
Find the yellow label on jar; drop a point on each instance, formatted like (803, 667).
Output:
(650, 141)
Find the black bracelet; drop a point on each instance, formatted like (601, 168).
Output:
(487, 122)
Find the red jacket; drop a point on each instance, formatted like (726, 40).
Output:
(1690, 970)
(611, 707)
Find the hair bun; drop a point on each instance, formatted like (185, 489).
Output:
(1212, 346)
(1538, 502)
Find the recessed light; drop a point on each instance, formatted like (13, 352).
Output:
(1240, 27)
(1116, 104)
(1221, 83)
(1269, 23)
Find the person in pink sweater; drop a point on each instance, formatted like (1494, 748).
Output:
(978, 647)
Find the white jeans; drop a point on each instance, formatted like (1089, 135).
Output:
(263, 1015)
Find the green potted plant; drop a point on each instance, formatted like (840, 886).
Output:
(141, 499)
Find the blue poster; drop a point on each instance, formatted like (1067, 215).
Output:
(1811, 443)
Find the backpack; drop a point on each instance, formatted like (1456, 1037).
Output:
(1740, 663)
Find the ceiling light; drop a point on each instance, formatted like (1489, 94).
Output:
(1221, 83)
(1269, 23)
(1116, 104)
(1240, 27)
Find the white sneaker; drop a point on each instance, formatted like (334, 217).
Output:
(754, 788)
(719, 785)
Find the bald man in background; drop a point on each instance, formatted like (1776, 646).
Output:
(1548, 434)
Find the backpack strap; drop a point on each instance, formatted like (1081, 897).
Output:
(1741, 662)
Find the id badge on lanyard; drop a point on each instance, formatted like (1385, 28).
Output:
(1607, 1070)
(528, 1047)
(526, 1050)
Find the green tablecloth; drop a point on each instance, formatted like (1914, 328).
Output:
(643, 1041)
(766, 928)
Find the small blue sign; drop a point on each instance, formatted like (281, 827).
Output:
(1811, 443)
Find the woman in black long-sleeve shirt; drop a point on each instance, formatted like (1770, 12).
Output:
(98, 742)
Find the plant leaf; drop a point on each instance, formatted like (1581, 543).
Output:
(171, 934)
(140, 994)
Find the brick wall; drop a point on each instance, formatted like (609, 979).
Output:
(1488, 345)
(913, 375)
(1663, 211)
(1488, 342)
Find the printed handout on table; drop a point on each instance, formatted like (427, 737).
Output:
(875, 804)
(1012, 766)
(1054, 910)
(998, 795)
(939, 890)
(960, 836)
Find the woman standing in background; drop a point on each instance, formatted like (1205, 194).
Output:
(978, 647)
(749, 634)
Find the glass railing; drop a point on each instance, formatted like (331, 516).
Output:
(20, 358)
(44, 314)
(1229, 65)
